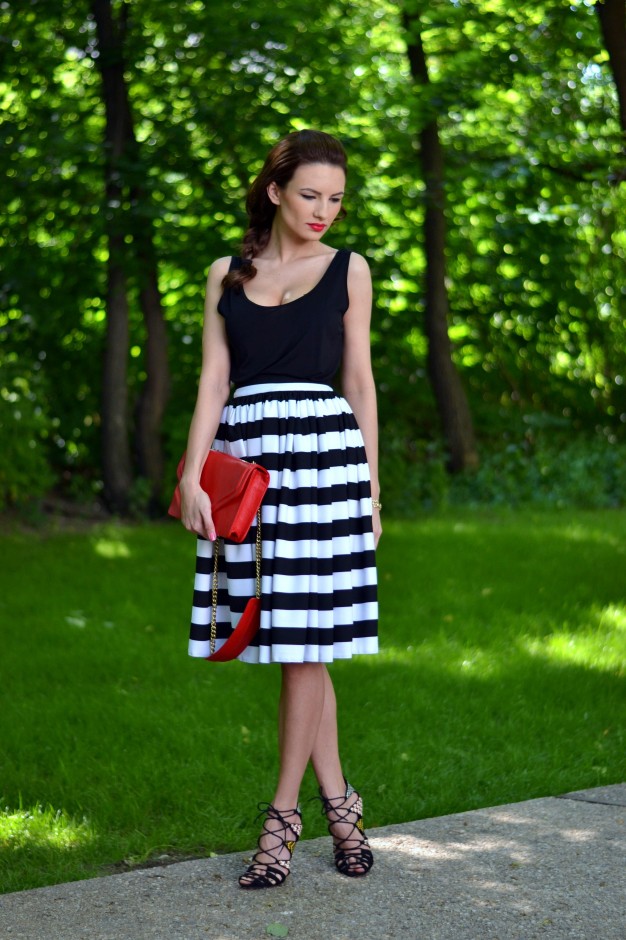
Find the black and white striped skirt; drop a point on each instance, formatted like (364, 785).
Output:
(318, 586)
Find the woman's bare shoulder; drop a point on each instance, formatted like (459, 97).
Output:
(358, 263)
(220, 266)
(358, 270)
(218, 271)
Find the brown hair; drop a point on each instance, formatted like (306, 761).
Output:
(283, 160)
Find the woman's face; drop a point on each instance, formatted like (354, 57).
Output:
(308, 204)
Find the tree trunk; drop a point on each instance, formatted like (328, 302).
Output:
(116, 461)
(127, 183)
(449, 393)
(612, 16)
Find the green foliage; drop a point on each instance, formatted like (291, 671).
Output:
(536, 249)
(413, 478)
(501, 633)
(25, 426)
(545, 470)
(562, 473)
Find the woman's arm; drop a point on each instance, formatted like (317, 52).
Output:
(357, 379)
(213, 392)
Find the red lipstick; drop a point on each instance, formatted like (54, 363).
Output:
(316, 226)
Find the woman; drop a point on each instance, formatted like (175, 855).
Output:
(279, 321)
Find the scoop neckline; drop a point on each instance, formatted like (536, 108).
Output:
(296, 299)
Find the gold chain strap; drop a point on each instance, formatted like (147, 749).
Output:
(216, 555)
(258, 552)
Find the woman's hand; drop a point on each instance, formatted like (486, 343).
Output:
(196, 511)
(376, 526)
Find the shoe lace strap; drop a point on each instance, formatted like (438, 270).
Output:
(270, 812)
(336, 806)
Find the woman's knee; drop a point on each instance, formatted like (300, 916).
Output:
(303, 672)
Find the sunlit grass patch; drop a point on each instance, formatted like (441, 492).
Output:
(577, 532)
(111, 548)
(43, 826)
(42, 845)
(458, 658)
(599, 642)
(613, 615)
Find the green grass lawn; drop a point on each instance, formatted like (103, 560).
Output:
(501, 678)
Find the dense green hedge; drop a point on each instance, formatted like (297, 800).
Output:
(551, 472)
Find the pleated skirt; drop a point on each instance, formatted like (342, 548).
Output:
(318, 572)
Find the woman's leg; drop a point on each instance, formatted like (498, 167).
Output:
(307, 730)
(325, 752)
(299, 714)
(327, 767)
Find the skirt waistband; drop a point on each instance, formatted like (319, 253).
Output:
(280, 387)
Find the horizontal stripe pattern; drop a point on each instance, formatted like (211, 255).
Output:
(319, 591)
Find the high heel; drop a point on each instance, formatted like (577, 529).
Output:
(270, 874)
(353, 856)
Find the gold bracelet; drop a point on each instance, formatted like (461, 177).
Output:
(376, 504)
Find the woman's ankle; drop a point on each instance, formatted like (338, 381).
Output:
(286, 803)
(334, 787)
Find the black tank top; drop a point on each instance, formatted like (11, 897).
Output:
(299, 341)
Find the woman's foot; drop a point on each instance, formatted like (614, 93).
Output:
(353, 856)
(270, 863)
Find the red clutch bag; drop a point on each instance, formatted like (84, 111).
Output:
(236, 489)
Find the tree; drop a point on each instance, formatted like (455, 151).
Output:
(125, 201)
(449, 392)
(116, 460)
(612, 16)
(525, 110)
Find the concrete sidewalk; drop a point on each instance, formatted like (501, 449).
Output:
(547, 868)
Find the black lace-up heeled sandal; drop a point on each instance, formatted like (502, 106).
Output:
(353, 856)
(268, 869)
